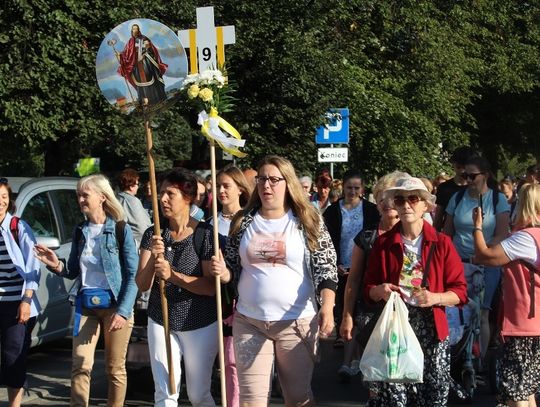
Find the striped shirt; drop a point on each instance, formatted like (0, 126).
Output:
(11, 283)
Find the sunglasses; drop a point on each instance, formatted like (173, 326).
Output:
(272, 180)
(4, 181)
(400, 200)
(472, 176)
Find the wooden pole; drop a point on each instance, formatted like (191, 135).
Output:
(218, 283)
(157, 232)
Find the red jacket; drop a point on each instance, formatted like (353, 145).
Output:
(445, 272)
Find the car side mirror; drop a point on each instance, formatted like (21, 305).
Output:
(52, 243)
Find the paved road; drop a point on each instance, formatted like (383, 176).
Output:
(49, 372)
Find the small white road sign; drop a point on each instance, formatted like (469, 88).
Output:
(333, 155)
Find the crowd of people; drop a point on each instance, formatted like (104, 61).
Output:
(301, 259)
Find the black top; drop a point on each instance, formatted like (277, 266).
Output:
(187, 311)
(446, 190)
(332, 219)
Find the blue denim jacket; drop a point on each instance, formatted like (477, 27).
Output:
(22, 256)
(121, 279)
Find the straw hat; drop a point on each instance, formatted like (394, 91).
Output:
(410, 184)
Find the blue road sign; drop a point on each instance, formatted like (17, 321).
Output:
(336, 131)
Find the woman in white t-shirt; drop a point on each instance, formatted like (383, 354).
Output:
(520, 256)
(281, 256)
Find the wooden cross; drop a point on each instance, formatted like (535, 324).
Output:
(205, 41)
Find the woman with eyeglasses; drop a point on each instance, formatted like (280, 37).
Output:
(482, 191)
(399, 262)
(282, 259)
(344, 220)
(19, 279)
(519, 254)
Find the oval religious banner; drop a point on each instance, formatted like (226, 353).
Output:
(141, 66)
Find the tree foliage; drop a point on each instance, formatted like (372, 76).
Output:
(419, 77)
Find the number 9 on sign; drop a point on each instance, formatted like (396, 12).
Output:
(207, 54)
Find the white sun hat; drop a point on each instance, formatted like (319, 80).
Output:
(410, 184)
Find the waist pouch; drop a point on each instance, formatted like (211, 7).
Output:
(91, 298)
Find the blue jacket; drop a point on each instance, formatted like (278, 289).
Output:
(22, 256)
(121, 278)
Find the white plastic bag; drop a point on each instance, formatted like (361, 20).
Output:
(393, 353)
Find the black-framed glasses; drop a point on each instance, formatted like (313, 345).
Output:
(400, 200)
(272, 180)
(471, 176)
(4, 181)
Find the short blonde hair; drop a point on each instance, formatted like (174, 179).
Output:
(528, 206)
(100, 184)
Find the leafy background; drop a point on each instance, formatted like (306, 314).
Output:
(420, 78)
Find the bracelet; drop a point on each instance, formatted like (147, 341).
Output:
(26, 299)
(475, 229)
(55, 268)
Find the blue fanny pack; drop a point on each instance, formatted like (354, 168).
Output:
(91, 298)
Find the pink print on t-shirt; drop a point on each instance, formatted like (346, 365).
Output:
(267, 249)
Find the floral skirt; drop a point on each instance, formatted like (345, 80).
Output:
(520, 368)
(434, 391)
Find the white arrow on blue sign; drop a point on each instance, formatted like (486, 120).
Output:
(336, 131)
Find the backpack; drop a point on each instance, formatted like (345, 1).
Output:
(461, 193)
(14, 228)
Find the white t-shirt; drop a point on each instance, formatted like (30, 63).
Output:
(224, 224)
(274, 285)
(521, 245)
(92, 273)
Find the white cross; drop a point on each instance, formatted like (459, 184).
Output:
(205, 41)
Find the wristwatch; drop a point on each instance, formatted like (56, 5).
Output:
(26, 299)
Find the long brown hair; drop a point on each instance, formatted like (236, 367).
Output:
(295, 198)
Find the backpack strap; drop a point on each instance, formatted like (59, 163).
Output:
(14, 228)
(459, 196)
(198, 239)
(119, 233)
(428, 263)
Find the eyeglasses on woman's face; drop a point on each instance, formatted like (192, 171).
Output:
(273, 181)
(399, 200)
(471, 176)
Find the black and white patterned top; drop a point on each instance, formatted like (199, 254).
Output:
(187, 311)
(11, 283)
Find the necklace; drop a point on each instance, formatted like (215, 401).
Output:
(228, 215)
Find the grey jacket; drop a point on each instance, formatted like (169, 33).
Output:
(136, 216)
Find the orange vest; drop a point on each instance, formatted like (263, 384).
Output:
(521, 296)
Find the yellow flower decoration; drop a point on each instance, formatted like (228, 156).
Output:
(206, 94)
(193, 91)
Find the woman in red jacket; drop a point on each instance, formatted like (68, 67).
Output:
(519, 254)
(397, 263)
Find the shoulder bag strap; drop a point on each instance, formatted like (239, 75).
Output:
(428, 263)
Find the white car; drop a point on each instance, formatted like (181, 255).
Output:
(49, 205)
